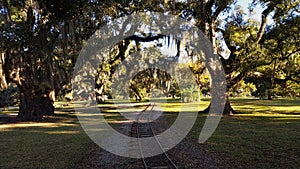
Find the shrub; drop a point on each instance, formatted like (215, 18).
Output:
(9, 96)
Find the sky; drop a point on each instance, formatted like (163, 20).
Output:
(257, 11)
(256, 15)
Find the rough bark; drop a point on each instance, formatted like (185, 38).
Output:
(34, 105)
(34, 102)
(228, 110)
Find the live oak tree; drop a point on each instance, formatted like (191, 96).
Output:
(282, 43)
(203, 12)
(246, 41)
(40, 41)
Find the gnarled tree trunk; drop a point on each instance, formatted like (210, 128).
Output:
(228, 110)
(34, 102)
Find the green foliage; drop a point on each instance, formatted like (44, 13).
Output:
(188, 84)
(174, 91)
(9, 96)
(263, 87)
(290, 89)
(281, 75)
(47, 36)
(244, 88)
(268, 50)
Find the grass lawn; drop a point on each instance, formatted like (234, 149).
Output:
(265, 134)
(59, 143)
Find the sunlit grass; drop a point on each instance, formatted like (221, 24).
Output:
(277, 107)
(58, 144)
(265, 134)
(184, 107)
(257, 142)
(9, 111)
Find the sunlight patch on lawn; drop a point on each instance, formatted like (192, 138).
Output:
(256, 107)
(282, 116)
(62, 132)
(183, 107)
(33, 124)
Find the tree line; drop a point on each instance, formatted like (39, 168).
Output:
(41, 40)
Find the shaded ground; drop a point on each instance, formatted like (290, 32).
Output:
(55, 142)
(187, 154)
(264, 135)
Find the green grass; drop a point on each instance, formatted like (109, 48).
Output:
(8, 111)
(257, 142)
(266, 107)
(264, 135)
(58, 144)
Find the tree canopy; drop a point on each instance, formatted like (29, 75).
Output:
(40, 42)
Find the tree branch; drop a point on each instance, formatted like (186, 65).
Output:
(6, 5)
(144, 39)
(226, 40)
(263, 24)
(235, 80)
(208, 9)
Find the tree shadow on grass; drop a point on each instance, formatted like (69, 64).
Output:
(58, 142)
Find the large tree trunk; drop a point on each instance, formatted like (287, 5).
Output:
(228, 110)
(34, 102)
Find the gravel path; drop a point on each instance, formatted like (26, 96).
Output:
(187, 154)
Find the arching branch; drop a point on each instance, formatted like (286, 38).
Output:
(263, 24)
